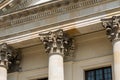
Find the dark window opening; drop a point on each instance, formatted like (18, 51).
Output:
(43, 79)
(104, 73)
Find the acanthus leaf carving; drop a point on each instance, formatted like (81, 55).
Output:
(10, 57)
(112, 26)
(57, 42)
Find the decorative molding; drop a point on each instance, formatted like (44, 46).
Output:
(7, 5)
(18, 38)
(112, 26)
(9, 57)
(4, 3)
(42, 12)
(57, 42)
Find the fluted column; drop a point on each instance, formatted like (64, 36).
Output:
(9, 60)
(112, 26)
(57, 45)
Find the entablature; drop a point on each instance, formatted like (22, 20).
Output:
(26, 15)
(73, 29)
(34, 22)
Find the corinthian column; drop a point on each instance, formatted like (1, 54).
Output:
(112, 26)
(8, 58)
(3, 61)
(57, 44)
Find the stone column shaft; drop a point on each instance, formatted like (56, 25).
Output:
(116, 52)
(56, 68)
(3, 73)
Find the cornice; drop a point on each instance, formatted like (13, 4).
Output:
(41, 12)
(21, 6)
(4, 3)
(7, 5)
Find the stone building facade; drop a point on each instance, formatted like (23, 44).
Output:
(59, 40)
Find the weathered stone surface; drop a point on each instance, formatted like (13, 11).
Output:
(57, 42)
(9, 58)
(112, 26)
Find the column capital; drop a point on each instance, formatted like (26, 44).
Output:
(4, 55)
(112, 26)
(57, 42)
(9, 57)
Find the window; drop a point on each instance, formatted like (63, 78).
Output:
(43, 79)
(99, 74)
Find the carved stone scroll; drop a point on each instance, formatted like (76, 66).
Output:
(112, 27)
(57, 42)
(9, 58)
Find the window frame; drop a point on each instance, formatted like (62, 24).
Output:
(94, 70)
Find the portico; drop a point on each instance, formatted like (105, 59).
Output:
(37, 40)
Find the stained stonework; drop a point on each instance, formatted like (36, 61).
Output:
(112, 26)
(57, 42)
(43, 11)
(9, 58)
